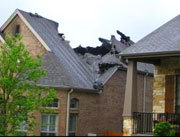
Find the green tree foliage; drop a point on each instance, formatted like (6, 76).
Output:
(19, 94)
(164, 129)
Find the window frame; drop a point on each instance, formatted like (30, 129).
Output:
(176, 94)
(58, 104)
(70, 132)
(77, 104)
(56, 124)
(17, 29)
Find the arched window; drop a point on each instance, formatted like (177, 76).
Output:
(74, 103)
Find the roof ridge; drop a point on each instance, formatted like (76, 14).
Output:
(40, 16)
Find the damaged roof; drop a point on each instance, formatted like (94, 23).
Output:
(64, 67)
(104, 66)
(164, 40)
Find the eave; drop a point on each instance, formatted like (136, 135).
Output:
(1, 39)
(151, 57)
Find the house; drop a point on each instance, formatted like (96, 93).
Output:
(161, 48)
(89, 101)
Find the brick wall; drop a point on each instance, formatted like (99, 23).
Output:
(61, 111)
(101, 113)
(31, 42)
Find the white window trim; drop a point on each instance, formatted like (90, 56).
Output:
(73, 108)
(19, 130)
(56, 126)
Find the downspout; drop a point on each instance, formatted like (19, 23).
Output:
(145, 83)
(68, 107)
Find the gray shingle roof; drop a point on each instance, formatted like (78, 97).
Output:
(163, 40)
(63, 65)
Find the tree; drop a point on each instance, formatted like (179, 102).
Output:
(19, 94)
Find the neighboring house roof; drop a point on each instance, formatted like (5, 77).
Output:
(63, 66)
(164, 40)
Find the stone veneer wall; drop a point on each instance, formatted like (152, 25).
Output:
(168, 66)
(127, 126)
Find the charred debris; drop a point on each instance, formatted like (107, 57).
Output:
(106, 47)
(105, 56)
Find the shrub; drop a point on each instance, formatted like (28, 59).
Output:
(164, 129)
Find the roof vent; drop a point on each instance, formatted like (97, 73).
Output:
(35, 15)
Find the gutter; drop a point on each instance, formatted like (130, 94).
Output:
(145, 83)
(69, 88)
(150, 55)
(67, 115)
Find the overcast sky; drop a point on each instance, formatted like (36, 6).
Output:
(84, 21)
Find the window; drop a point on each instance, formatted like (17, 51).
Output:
(178, 94)
(74, 103)
(17, 29)
(54, 104)
(72, 124)
(22, 129)
(48, 125)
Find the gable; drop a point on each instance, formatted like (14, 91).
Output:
(18, 13)
(32, 44)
